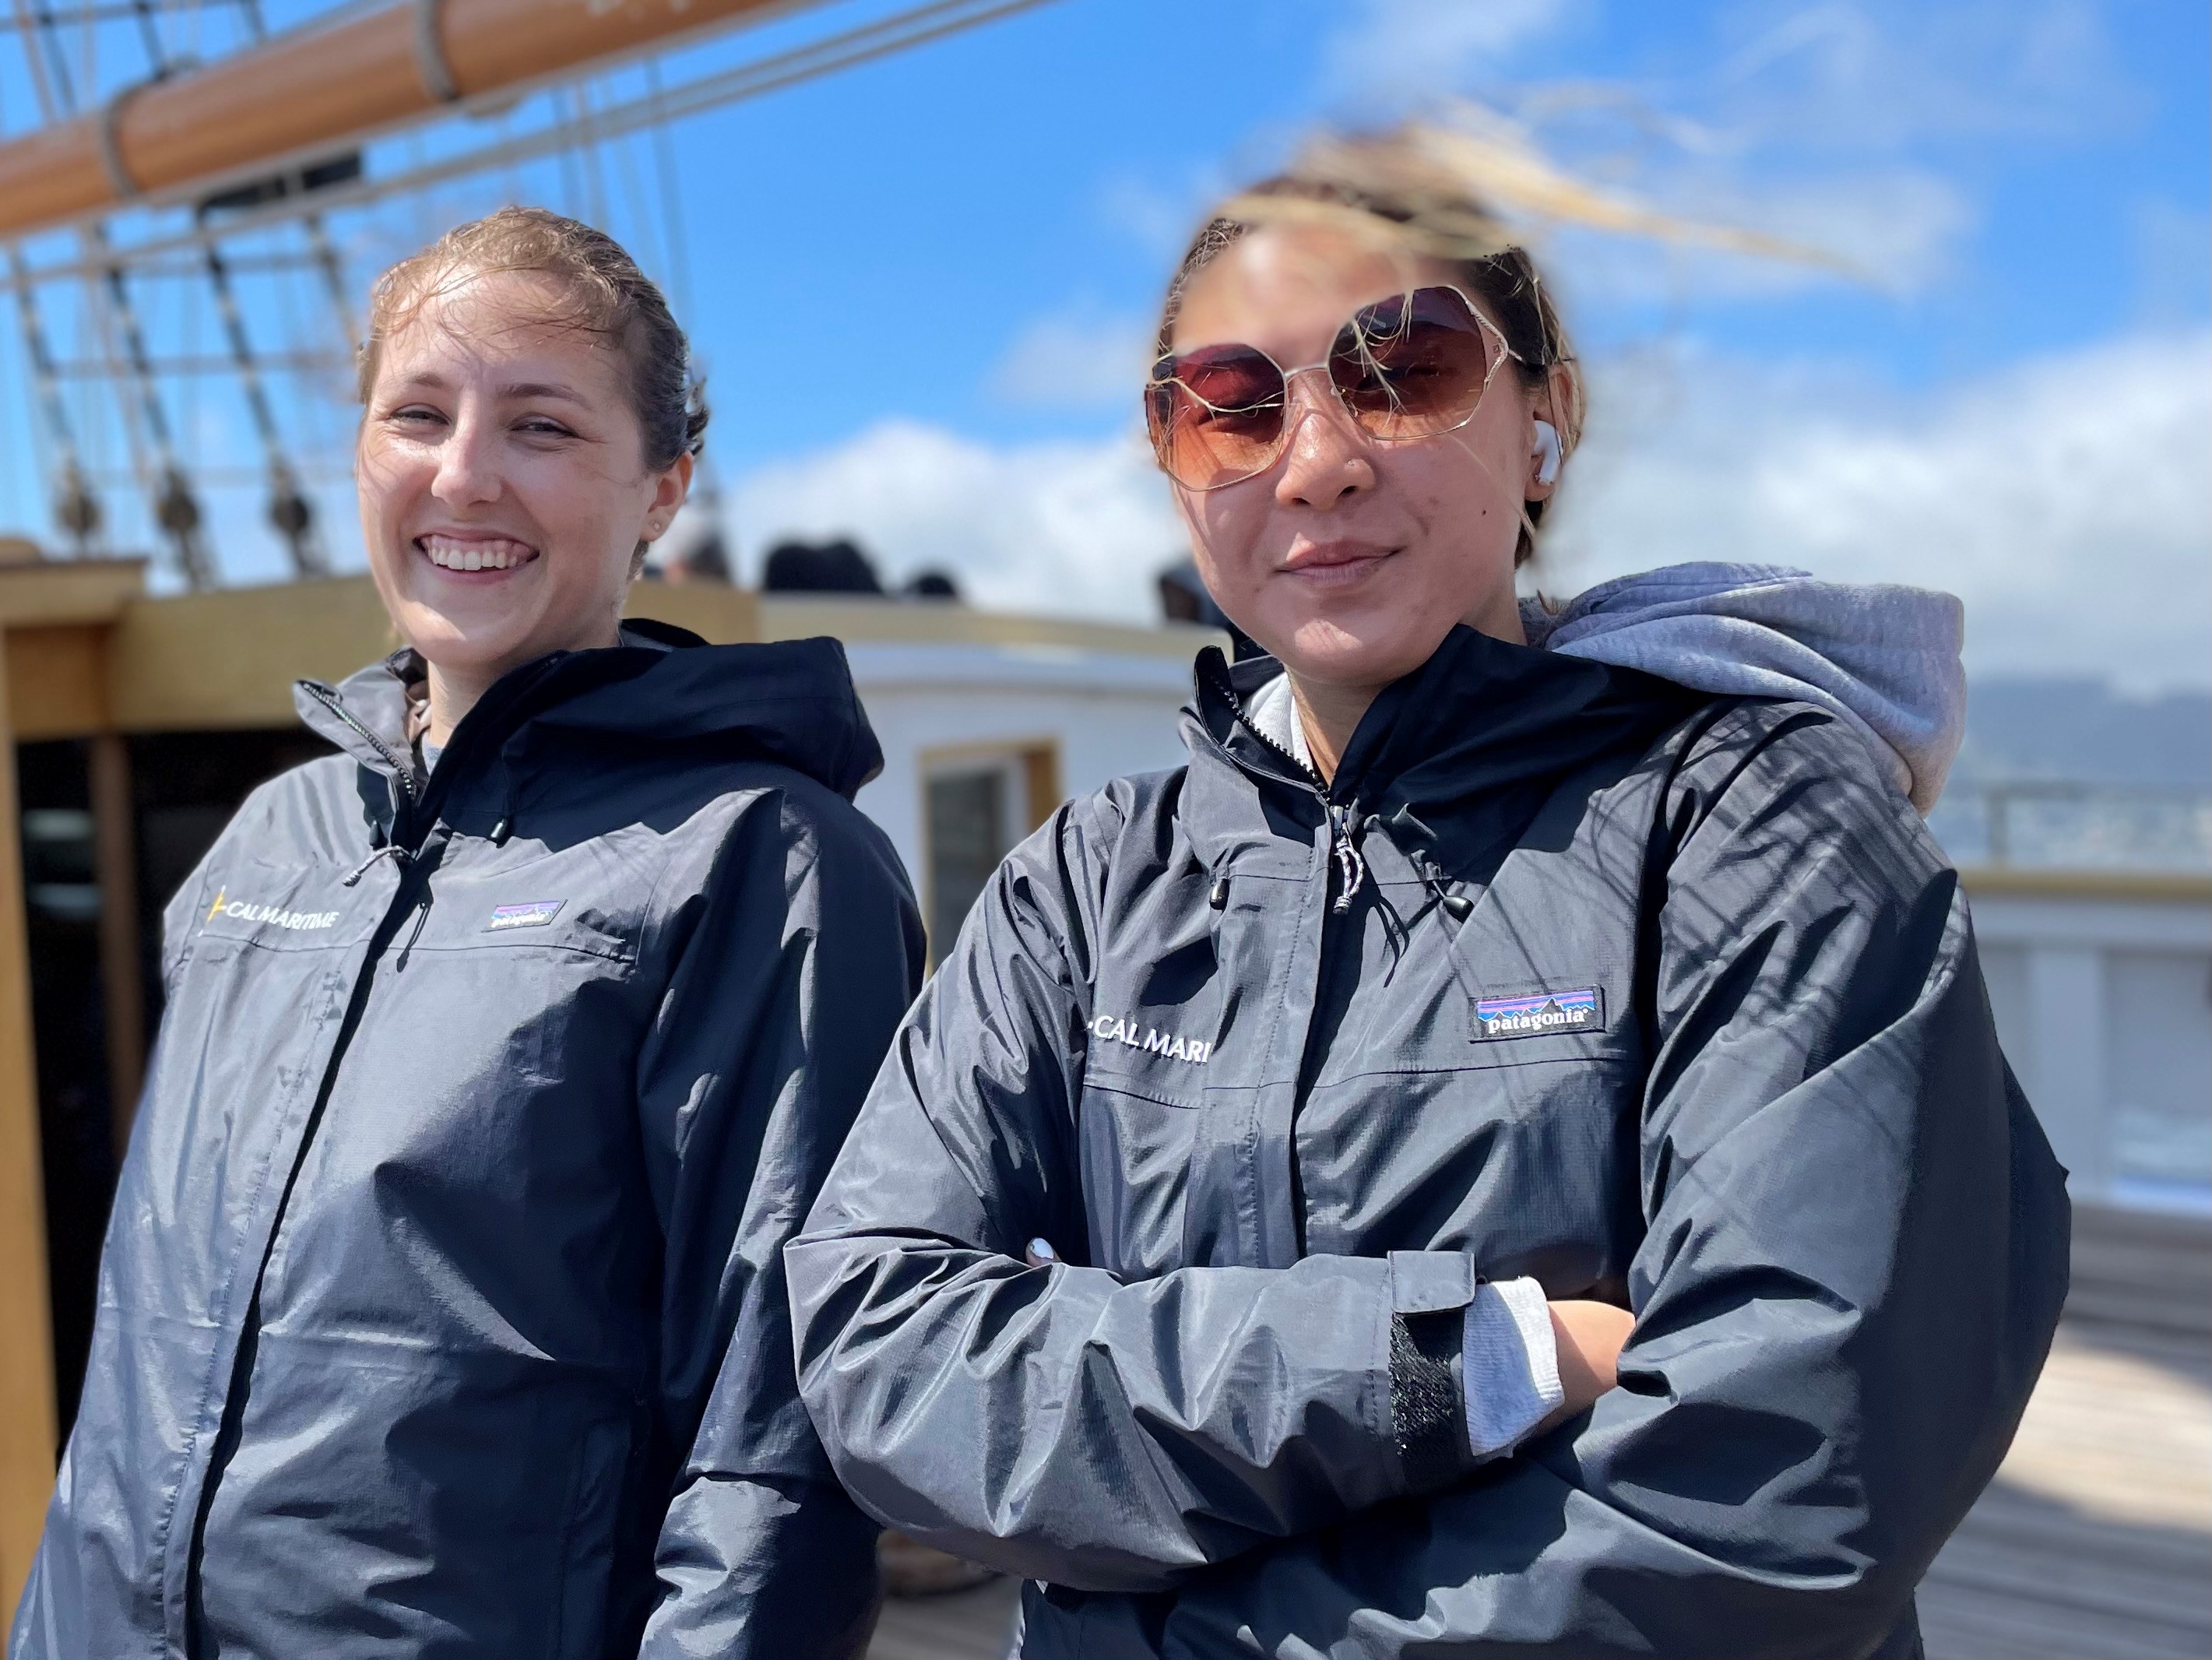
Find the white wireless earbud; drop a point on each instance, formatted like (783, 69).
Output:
(1546, 453)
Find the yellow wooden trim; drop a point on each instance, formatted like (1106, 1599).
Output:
(1041, 775)
(122, 982)
(217, 661)
(57, 680)
(227, 659)
(2155, 887)
(27, 1355)
(202, 662)
(68, 590)
(856, 617)
(719, 615)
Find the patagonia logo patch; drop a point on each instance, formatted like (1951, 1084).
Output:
(1535, 1016)
(529, 914)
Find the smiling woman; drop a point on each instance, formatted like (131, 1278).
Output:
(442, 1312)
(528, 429)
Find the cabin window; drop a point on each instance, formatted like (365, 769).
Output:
(975, 806)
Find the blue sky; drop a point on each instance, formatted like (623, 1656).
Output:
(1047, 167)
(922, 289)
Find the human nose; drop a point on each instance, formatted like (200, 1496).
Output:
(468, 471)
(1327, 458)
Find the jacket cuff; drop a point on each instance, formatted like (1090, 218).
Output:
(1430, 1292)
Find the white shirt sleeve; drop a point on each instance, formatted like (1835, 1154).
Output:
(1510, 1366)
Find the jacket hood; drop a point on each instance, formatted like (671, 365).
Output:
(790, 701)
(1882, 658)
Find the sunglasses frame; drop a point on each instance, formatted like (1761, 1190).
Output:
(1283, 441)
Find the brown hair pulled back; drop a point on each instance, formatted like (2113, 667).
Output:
(602, 292)
(1394, 188)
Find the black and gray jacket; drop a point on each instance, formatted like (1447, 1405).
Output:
(1570, 974)
(442, 1312)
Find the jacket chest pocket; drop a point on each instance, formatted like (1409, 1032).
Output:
(581, 901)
(271, 906)
(491, 1088)
(1136, 1153)
(1527, 1163)
(1153, 1041)
(1553, 1157)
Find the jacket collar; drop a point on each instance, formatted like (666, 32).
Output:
(1483, 729)
(790, 701)
(376, 713)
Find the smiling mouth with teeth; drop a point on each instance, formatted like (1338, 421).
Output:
(492, 553)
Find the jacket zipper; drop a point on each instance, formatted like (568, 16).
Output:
(1345, 823)
(417, 865)
(414, 872)
(400, 769)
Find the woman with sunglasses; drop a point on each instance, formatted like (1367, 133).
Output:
(442, 1311)
(1500, 1152)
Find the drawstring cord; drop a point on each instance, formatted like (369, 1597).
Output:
(390, 849)
(1415, 838)
(1344, 847)
(503, 826)
(1457, 906)
(422, 916)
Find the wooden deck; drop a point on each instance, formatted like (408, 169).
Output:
(2095, 1541)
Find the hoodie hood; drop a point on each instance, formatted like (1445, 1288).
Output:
(1882, 658)
(790, 701)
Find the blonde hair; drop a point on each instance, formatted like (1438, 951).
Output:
(602, 292)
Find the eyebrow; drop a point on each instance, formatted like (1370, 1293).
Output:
(544, 389)
(431, 381)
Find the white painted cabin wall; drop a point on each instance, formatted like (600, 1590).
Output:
(1108, 714)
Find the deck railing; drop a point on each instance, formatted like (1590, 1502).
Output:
(2101, 984)
(2073, 824)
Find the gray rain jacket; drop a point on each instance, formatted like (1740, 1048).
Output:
(482, 1107)
(1573, 974)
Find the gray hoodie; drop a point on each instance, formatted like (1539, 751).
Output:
(1881, 658)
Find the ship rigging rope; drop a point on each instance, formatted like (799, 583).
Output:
(915, 27)
(174, 505)
(107, 300)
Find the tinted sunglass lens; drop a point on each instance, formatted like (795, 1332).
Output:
(1413, 365)
(1215, 415)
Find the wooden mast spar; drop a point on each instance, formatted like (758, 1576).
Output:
(318, 85)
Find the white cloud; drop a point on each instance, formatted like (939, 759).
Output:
(1835, 123)
(1873, 76)
(1076, 360)
(1896, 229)
(2067, 501)
(1077, 529)
(1396, 49)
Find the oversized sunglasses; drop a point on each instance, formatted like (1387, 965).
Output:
(1411, 365)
